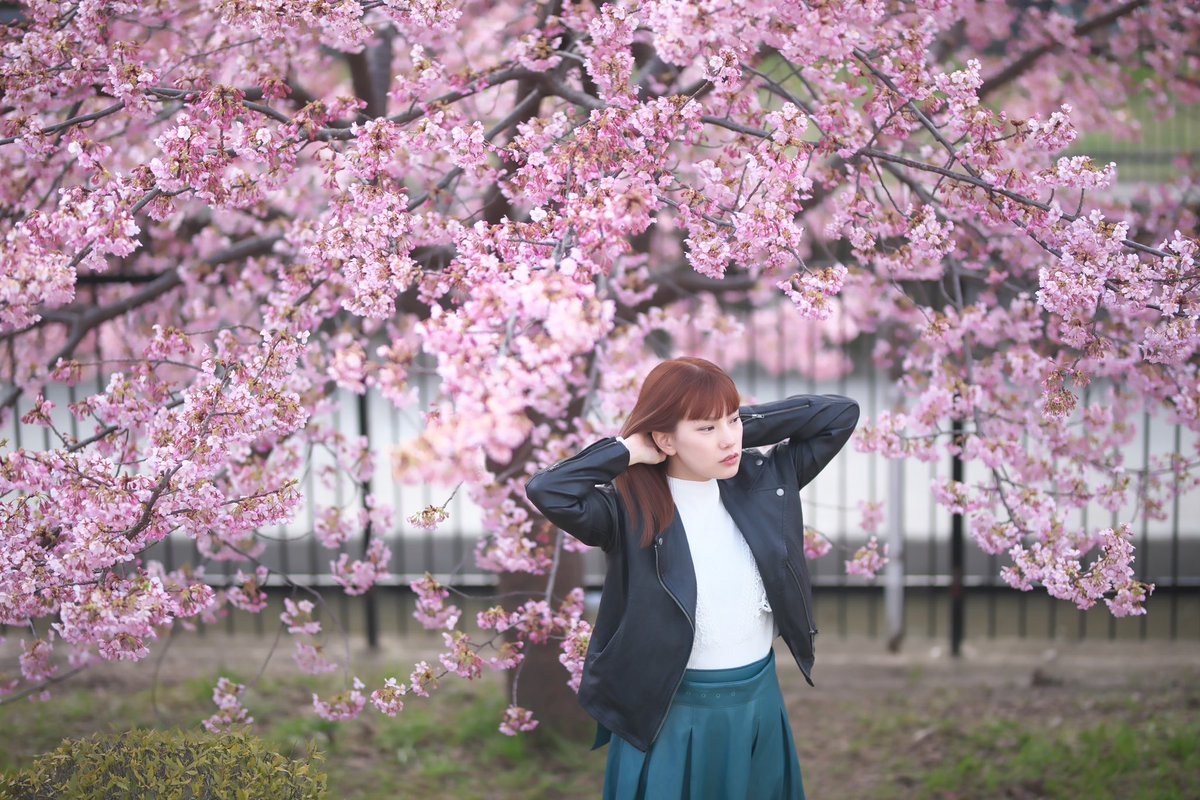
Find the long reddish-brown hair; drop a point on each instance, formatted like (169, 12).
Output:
(676, 390)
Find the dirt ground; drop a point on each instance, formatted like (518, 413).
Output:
(875, 720)
(867, 700)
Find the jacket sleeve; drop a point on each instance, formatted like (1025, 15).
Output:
(572, 493)
(816, 427)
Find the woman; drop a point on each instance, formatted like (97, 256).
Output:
(705, 546)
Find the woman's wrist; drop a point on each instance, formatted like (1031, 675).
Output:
(641, 449)
(633, 456)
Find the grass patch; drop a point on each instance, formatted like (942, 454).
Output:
(450, 745)
(1026, 758)
(447, 746)
(1103, 762)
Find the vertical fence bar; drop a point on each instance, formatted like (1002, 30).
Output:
(873, 496)
(895, 568)
(396, 535)
(1112, 621)
(843, 499)
(1083, 520)
(311, 490)
(339, 500)
(1175, 534)
(993, 596)
(285, 546)
(370, 597)
(957, 553)
(932, 589)
(309, 538)
(426, 490)
(1144, 555)
(460, 547)
(751, 361)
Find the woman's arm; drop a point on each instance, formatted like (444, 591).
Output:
(573, 494)
(816, 427)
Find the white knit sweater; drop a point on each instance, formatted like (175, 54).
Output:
(734, 622)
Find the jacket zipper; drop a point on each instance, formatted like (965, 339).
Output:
(662, 583)
(585, 451)
(776, 411)
(808, 614)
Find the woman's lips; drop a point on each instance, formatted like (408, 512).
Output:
(729, 462)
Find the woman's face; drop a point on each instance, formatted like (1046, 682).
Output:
(702, 449)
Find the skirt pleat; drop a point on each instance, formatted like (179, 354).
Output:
(726, 737)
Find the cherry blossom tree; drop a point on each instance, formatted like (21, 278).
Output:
(225, 211)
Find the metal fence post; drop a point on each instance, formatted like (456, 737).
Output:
(893, 575)
(893, 587)
(372, 612)
(957, 600)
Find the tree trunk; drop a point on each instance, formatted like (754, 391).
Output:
(542, 685)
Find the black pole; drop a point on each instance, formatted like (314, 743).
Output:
(372, 615)
(956, 552)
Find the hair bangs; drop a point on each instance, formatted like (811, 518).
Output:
(710, 395)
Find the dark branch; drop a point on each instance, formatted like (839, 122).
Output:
(1027, 59)
(991, 189)
(559, 89)
(104, 112)
(151, 291)
(105, 278)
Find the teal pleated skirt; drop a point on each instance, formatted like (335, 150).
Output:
(726, 737)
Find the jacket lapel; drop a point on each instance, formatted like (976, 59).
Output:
(759, 516)
(675, 563)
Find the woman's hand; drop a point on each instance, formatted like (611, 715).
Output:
(642, 450)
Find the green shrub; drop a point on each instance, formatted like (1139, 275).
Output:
(166, 765)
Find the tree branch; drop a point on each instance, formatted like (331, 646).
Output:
(156, 288)
(559, 89)
(487, 81)
(991, 189)
(1026, 60)
(104, 112)
(104, 278)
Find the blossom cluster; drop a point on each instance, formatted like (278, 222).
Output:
(868, 559)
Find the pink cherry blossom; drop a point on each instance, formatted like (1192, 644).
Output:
(816, 544)
(517, 720)
(310, 658)
(872, 515)
(388, 699)
(422, 679)
(431, 610)
(357, 576)
(867, 560)
(341, 706)
(228, 697)
(574, 650)
(298, 617)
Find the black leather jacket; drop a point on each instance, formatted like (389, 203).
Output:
(642, 637)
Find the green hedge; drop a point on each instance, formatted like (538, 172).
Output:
(165, 765)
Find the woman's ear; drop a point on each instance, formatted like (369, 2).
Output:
(664, 442)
